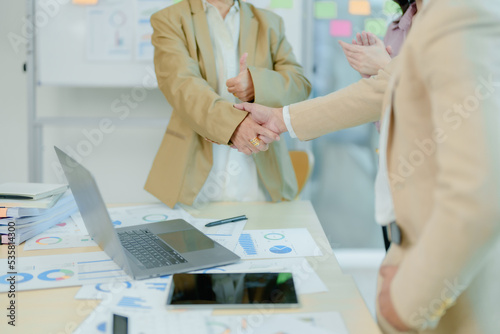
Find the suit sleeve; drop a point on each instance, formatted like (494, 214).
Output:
(285, 83)
(354, 105)
(190, 95)
(457, 64)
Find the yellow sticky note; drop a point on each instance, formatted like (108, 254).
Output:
(360, 7)
(85, 2)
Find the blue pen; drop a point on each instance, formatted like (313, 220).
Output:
(227, 220)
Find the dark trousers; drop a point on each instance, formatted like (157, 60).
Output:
(387, 243)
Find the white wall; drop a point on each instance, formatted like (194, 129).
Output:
(13, 132)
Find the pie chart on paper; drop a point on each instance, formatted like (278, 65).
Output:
(274, 236)
(55, 275)
(280, 249)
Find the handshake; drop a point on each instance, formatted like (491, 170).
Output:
(261, 127)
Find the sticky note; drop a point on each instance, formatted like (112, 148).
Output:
(376, 26)
(360, 7)
(325, 10)
(392, 8)
(288, 4)
(85, 2)
(341, 28)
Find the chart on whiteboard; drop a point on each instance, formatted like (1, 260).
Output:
(261, 244)
(118, 31)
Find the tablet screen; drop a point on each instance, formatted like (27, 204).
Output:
(233, 289)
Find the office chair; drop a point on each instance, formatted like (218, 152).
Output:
(303, 163)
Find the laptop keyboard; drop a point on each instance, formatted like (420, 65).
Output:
(148, 249)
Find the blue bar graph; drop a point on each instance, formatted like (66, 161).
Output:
(247, 244)
(157, 286)
(132, 302)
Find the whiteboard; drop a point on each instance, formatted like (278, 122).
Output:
(108, 44)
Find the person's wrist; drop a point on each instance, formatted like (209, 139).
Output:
(280, 122)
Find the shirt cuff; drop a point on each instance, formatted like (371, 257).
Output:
(288, 121)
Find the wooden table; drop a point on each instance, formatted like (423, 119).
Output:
(55, 311)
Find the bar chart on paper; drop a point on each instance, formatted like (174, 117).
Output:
(259, 244)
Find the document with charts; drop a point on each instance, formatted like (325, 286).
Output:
(55, 271)
(304, 277)
(146, 312)
(279, 243)
(66, 234)
(106, 290)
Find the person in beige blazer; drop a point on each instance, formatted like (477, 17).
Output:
(443, 162)
(186, 73)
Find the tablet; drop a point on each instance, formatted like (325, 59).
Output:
(225, 290)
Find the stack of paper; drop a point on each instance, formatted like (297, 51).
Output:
(30, 191)
(27, 209)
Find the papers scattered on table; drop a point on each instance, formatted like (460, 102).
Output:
(145, 214)
(55, 271)
(146, 312)
(282, 243)
(66, 234)
(305, 278)
(106, 290)
(137, 215)
(271, 323)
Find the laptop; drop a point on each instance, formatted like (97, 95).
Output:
(146, 250)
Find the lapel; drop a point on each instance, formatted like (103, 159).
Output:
(204, 42)
(389, 111)
(248, 32)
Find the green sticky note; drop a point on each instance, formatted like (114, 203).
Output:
(288, 4)
(392, 8)
(325, 10)
(377, 27)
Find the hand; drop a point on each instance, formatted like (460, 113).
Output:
(271, 118)
(386, 307)
(367, 39)
(368, 54)
(248, 130)
(364, 39)
(241, 86)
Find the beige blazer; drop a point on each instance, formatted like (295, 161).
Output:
(443, 161)
(186, 73)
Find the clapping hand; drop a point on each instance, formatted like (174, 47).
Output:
(241, 86)
(367, 54)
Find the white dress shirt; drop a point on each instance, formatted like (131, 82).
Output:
(384, 206)
(233, 176)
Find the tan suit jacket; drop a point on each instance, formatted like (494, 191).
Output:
(186, 73)
(443, 163)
